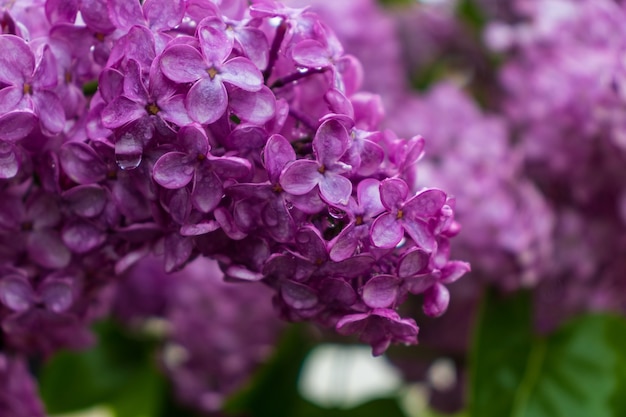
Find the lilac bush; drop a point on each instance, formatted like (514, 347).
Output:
(222, 130)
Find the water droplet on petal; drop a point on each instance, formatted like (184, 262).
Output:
(336, 213)
(128, 152)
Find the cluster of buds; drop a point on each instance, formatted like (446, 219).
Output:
(230, 131)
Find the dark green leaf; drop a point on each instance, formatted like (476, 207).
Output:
(578, 371)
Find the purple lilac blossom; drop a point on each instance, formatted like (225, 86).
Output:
(194, 145)
(18, 389)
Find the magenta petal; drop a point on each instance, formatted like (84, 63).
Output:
(277, 154)
(421, 234)
(199, 228)
(46, 249)
(393, 192)
(194, 140)
(227, 223)
(336, 290)
(121, 111)
(96, 16)
(17, 62)
(311, 245)
(372, 156)
(11, 99)
(255, 45)
(254, 107)
(426, 204)
(206, 101)
(311, 53)
(413, 262)
(301, 177)
(9, 161)
(178, 250)
(110, 84)
(173, 170)
(386, 232)
(335, 189)
(50, 110)
(368, 194)
(16, 293)
(134, 89)
(173, 110)
(453, 271)
(242, 73)
(125, 13)
(183, 64)
(207, 191)
(436, 300)
(353, 323)
(45, 76)
(61, 11)
(163, 14)
(381, 291)
(344, 245)
(81, 236)
(331, 142)
(56, 294)
(86, 200)
(215, 44)
(298, 296)
(81, 163)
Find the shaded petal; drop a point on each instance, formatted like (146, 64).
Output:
(349, 268)
(177, 251)
(254, 107)
(173, 110)
(183, 64)
(335, 188)
(56, 294)
(120, 111)
(301, 177)
(426, 204)
(194, 140)
(207, 191)
(331, 142)
(16, 293)
(9, 161)
(45, 76)
(381, 291)
(368, 195)
(134, 88)
(173, 170)
(81, 236)
(335, 290)
(436, 300)
(50, 110)
(206, 101)
(11, 99)
(61, 11)
(199, 228)
(372, 156)
(46, 249)
(254, 44)
(81, 163)
(163, 14)
(278, 221)
(298, 296)
(453, 271)
(86, 200)
(215, 44)
(17, 62)
(413, 262)
(311, 53)
(277, 154)
(226, 221)
(125, 13)
(311, 245)
(393, 192)
(420, 233)
(386, 232)
(96, 15)
(110, 84)
(242, 73)
(344, 245)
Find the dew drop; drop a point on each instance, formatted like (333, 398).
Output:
(128, 153)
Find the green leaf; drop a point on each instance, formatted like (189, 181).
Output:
(118, 371)
(578, 371)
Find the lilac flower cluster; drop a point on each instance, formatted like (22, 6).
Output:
(226, 130)
(568, 112)
(212, 334)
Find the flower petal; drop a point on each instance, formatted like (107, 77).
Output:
(301, 177)
(254, 107)
(120, 111)
(426, 204)
(331, 142)
(436, 300)
(242, 73)
(386, 232)
(173, 170)
(335, 188)
(207, 191)
(9, 161)
(206, 101)
(393, 192)
(183, 64)
(382, 291)
(16, 125)
(17, 62)
(420, 233)
(277, 154)
(16, 293)
(50, 110)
